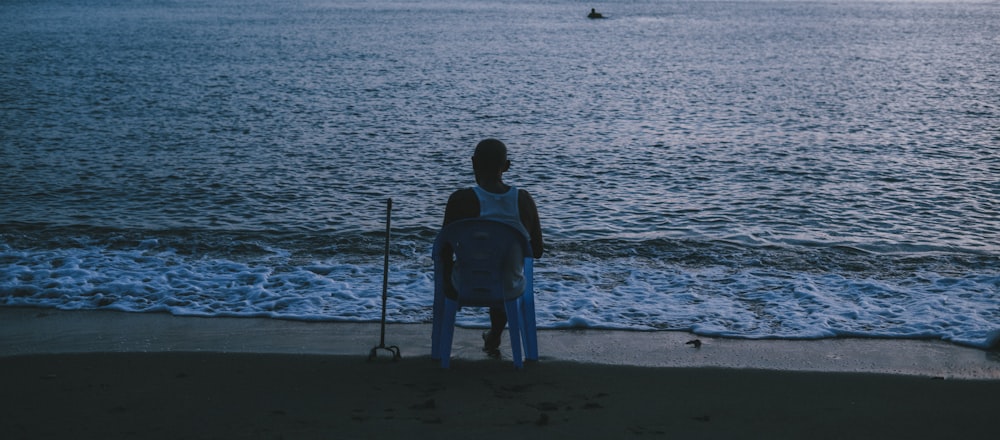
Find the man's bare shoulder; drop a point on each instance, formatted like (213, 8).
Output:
(524, 198)
(461, 204)
(462, 194)
(463, 198)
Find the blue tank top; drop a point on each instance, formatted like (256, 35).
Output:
(501, 208)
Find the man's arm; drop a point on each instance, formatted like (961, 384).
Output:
(529, 218)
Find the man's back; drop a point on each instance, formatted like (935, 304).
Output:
(465, 203)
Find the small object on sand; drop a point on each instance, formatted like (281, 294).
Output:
(695, 342)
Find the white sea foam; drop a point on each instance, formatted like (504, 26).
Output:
(626, 293)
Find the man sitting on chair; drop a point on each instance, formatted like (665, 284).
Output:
(493, 199)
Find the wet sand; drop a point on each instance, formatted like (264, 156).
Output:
(120, 375)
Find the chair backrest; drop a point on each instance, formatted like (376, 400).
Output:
(483, 254)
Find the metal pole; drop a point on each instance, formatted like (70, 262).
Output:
(385, 291)
(385, 267)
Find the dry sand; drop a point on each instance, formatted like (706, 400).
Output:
(116, 375)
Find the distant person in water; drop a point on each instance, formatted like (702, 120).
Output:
(594, 14)
(491, 198)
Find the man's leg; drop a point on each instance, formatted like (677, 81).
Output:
(498, 320)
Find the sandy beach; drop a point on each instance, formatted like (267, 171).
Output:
(121, 375)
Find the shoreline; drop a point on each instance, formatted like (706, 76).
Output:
(110, 375)
(35, 331)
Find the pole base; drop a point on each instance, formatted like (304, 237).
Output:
(393, 349)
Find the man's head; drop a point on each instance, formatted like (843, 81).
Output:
(490, 158)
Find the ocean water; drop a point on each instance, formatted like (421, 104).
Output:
(746, 169)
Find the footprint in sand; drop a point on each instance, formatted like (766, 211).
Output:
(429, 404)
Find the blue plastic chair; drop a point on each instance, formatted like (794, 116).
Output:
(480, 246)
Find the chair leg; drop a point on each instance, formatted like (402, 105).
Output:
(527, 303)
(436, 326)
(514, 324)
(447, 330)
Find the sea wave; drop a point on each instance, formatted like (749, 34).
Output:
(722, 288)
